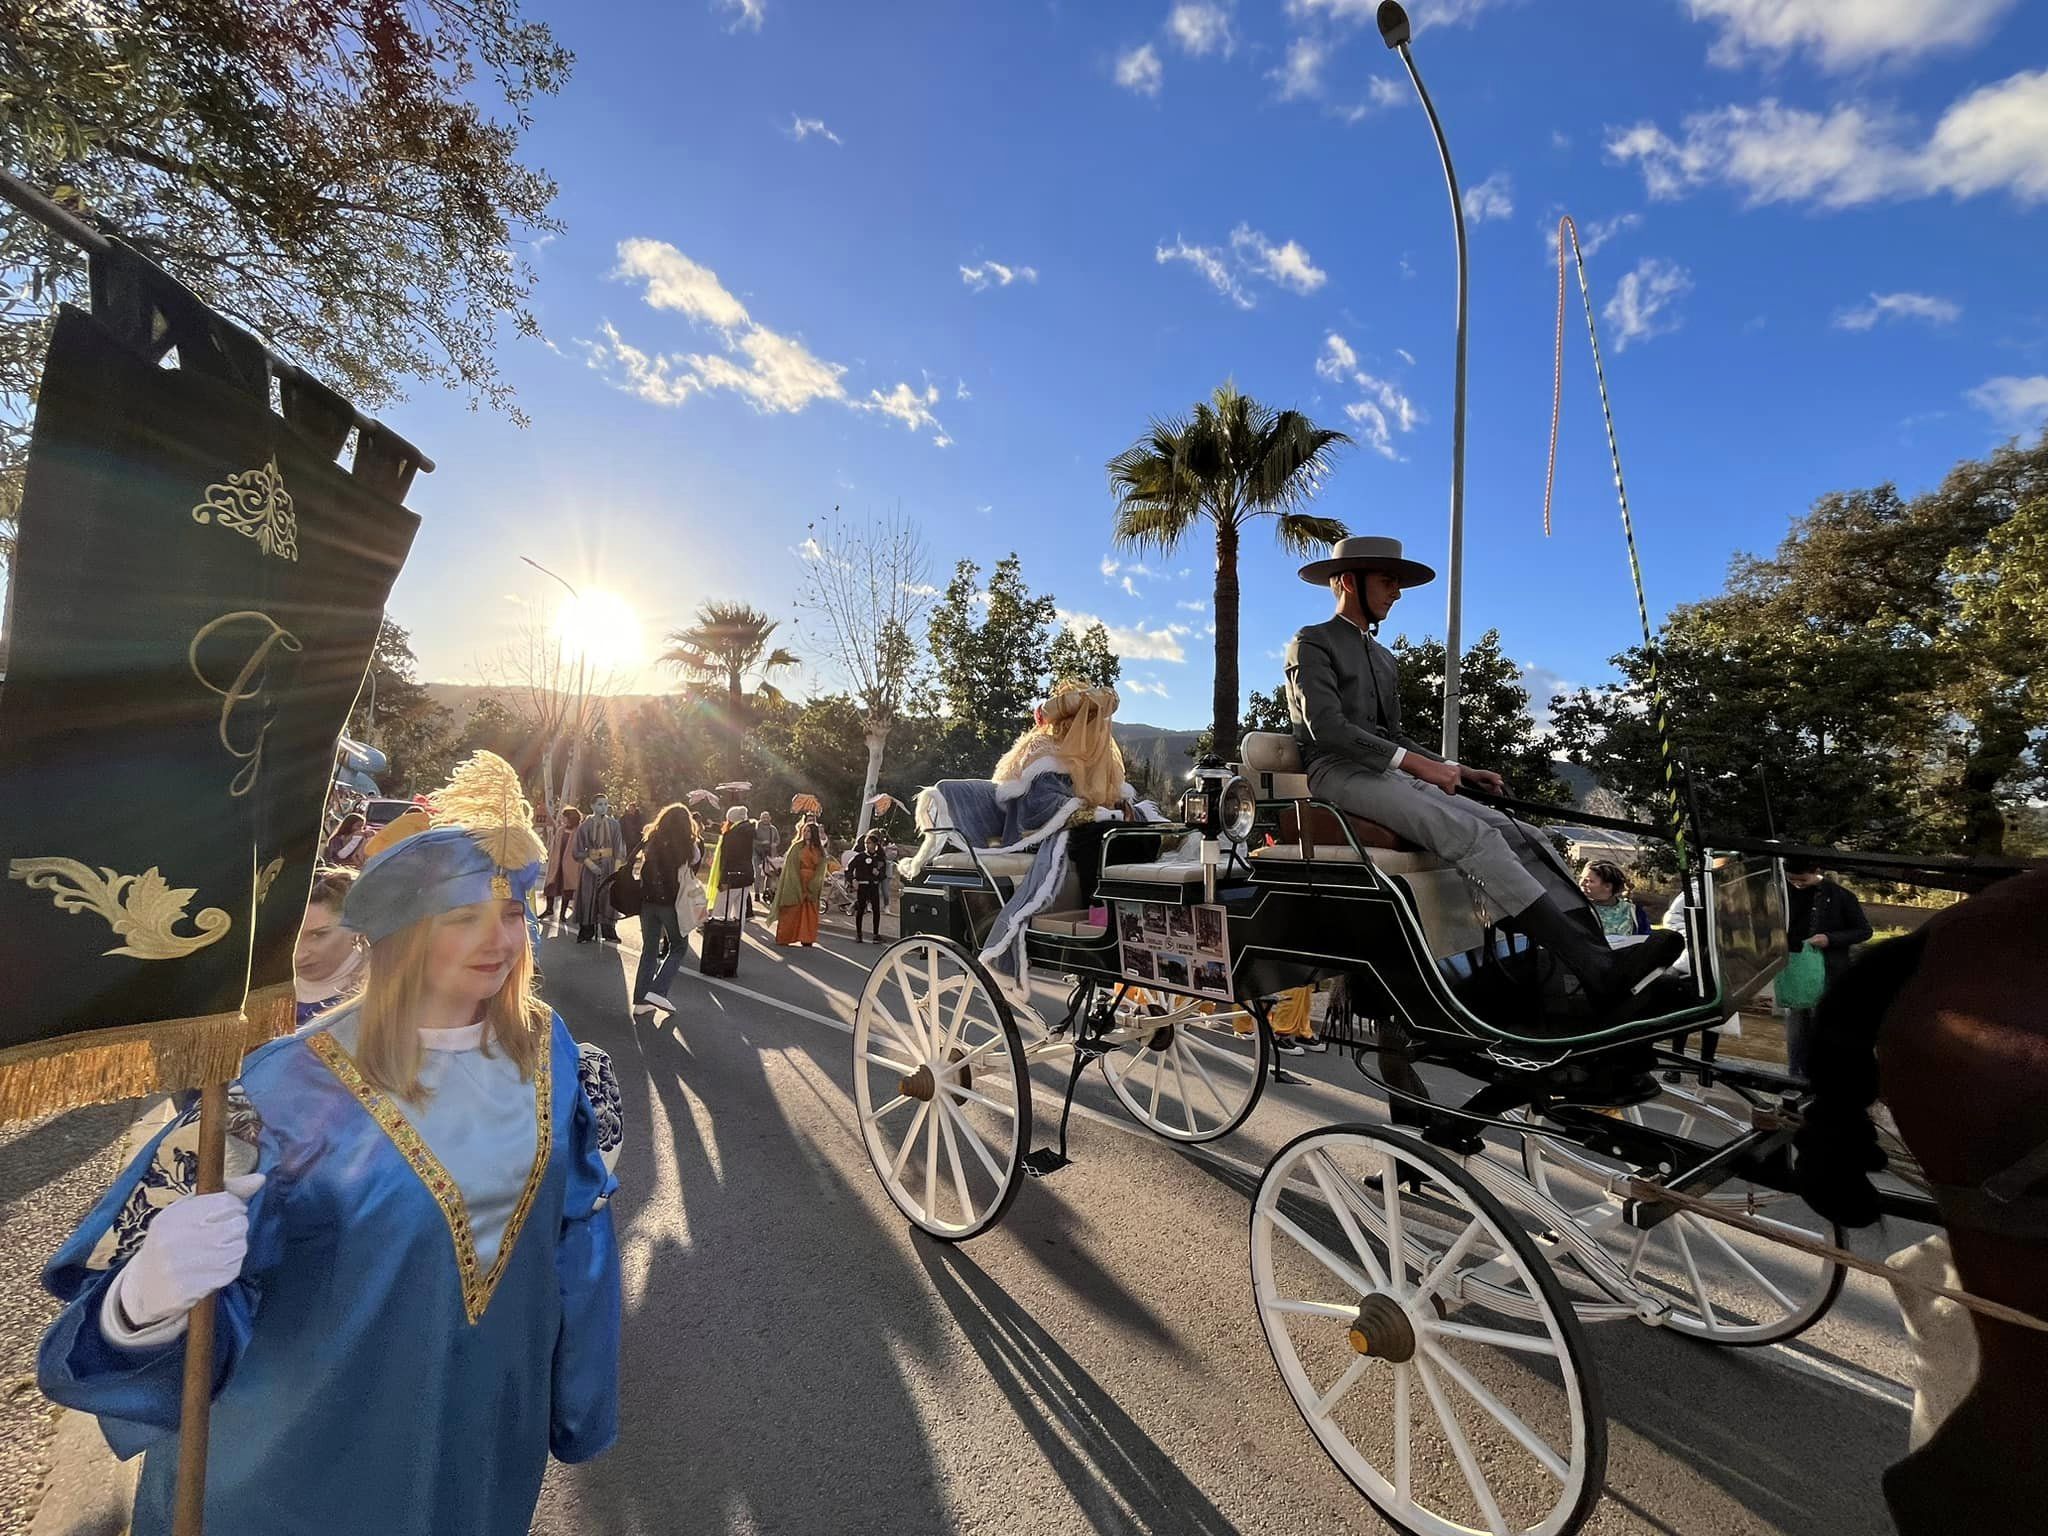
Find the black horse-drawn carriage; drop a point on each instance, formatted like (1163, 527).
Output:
(1422, 1285)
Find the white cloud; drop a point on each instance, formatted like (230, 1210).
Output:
(1288, 265)
(1543, 685)
(984, 273)
(1405, 355)
(1994, 139)
(1493, 198)
(1843, 33)
(1383, 411)
(1134, 644)
(1193, 605)
(1109, 566)
(961, 391)
(1642, 302)
(746, 13)
(1140, 70)
(910, 407)
(2018, 403)
(1593, 233)
(1302, 75)
(774, 373)
(802, 128)
(1130, 587)
(1210, 264)
(1201, 26)
(1427, 13)
(1381, 92)
(1139, 685)
(1898, 306)
(676, 282)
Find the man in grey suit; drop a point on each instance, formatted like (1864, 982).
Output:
(1344, 699)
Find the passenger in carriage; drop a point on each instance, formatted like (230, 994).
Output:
(1343, 698)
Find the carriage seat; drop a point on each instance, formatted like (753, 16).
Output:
(1272, 761)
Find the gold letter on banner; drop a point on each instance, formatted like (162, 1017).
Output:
(142, 909)
(241, 690)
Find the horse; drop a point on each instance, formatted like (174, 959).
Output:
(1949, 1026)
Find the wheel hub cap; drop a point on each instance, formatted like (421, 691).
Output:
(921, 1085)
(1382, 1330)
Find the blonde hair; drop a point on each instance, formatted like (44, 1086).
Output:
(1073, 726)
(388, 1042)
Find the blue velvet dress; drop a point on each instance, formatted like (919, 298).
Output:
(429, 1306)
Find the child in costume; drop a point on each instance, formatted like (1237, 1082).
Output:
(419, 1284)
(1063, 771)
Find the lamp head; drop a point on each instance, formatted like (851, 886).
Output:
(1393, 23)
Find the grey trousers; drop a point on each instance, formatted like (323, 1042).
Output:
(1511, 862)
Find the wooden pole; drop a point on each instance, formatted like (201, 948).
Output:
(190, 1509)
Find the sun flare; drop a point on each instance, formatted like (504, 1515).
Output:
(601, 630)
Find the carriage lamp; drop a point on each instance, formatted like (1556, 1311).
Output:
(1220, 805)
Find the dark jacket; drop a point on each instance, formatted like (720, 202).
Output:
(1344, 696)
(865, 868)
(736, 856)
(1825, 909)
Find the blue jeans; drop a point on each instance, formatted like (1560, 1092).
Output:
(662, 934)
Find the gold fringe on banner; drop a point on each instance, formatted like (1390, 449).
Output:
(105, 1064)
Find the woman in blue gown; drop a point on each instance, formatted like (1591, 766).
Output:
(419, 1284)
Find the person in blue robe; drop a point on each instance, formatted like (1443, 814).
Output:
(1064, 771)
(419, 1295)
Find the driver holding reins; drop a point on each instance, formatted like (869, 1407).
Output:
(1344, 700)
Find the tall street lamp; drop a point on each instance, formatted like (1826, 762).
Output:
(1394, 29)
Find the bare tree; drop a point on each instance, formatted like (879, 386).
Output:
(554, 693)
(866, 591)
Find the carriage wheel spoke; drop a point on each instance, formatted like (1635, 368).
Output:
(1403, 1458)
(983, 1100)
(1390, 1198)
(909, 1141)
(1451, 1257)
(1475, 1479)
(888, 1022)
(1706, 1229)
(1336, 1311)
(931, 1166)
(898, 1102)
(911, 1013)
(945, 1125)
(934, 1008)
(1158, 1082)
(1219, 1053)
(979, 1147)
(1208, 1082)
(1497, 1338)
(1322, 1255)
(1692, 1271)
(1318, 1162)
(1502, 1414)
(901, 1068)
(953, 1030)
(1344, 1383)
(1187, 1103)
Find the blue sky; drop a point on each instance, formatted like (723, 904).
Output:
(952, 257)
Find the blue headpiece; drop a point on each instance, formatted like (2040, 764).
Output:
(481, 847)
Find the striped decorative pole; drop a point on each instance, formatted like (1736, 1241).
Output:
(1659, 712)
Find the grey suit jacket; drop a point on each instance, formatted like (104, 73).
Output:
(1344, 697)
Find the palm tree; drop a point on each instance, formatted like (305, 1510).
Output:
(728, 644)
(1231, 461)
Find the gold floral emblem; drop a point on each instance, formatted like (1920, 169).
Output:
(142, 909)
(256, 505)
(266, 877)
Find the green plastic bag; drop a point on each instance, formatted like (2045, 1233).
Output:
(1800, 983)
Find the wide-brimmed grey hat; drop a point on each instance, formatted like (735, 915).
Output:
(1367, 552)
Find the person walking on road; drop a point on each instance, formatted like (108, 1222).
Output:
(767, 859)
(866, 871)
(732, 868)
(1823, 914)
(600, 849)
(802, 887)
(665, 864)
(327, 962)
(564, 872)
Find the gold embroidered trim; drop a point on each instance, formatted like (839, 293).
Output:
(256, 505)
(477, 1286)
(141, 909)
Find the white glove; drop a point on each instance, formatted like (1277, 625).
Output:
(194, 1247)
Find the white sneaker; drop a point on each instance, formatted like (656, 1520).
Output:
(656, 1000)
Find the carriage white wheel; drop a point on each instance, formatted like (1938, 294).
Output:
(941, 1086)
(1435, 1357)
(1194, 1077)
(1722, 1285)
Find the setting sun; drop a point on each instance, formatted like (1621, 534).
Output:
(601, 629)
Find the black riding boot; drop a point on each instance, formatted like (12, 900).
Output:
(1608, 975)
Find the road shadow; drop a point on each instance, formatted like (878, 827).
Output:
(1119, 1477)
(767, 1315)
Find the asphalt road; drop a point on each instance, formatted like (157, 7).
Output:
(798, 1360)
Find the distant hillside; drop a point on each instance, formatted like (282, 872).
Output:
(1170, 753)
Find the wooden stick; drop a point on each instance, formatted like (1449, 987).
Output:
(193, 1416)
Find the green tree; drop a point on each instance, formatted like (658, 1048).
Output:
(1084, 656)
(396, 715)
(991, 653)
(1231, 461)
(1495, 728)
(727, 645)
(1262, 712)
